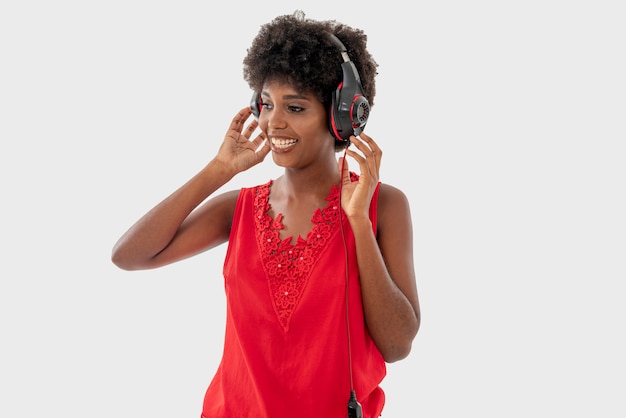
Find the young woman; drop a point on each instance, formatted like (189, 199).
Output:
(319, 273)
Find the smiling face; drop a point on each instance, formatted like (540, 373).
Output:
(296, 124)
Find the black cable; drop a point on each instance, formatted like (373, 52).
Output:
(354, 407)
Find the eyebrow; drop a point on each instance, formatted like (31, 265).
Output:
(288, 96)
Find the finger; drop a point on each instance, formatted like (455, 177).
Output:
(368, 164)
(258, 140)
(240, 119)
(366, 144)
(360, 144)
(250, 129)
(358, 157)
(368, 155)
(264, 148)
(376, 151)
(371, 144)
(344, 170)
(370, 149)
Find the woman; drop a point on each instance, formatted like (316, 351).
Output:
(319, 273)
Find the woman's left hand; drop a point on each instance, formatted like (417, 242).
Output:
(357, 196)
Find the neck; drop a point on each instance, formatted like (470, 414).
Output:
(306, 182)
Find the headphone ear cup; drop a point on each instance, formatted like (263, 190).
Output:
(336, 119)
(360, 113)
(255, 105)
(349, 111)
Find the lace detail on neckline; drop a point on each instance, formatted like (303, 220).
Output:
(288, 265)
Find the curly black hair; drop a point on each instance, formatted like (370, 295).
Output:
(300, 50)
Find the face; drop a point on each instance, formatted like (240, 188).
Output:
(296, 124)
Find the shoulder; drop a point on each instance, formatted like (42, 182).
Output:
(252, 193)
(262, 186)
(389, 196)
(394, 212)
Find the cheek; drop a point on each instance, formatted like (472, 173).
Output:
(324, 128)
(320, 123)
(263, 123)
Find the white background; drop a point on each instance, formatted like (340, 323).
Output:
(504, 123)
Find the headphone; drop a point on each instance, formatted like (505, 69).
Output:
(349, 108)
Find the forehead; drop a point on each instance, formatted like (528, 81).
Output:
(282, 88)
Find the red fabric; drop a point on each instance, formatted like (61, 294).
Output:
(286, 345)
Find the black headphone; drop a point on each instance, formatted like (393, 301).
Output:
(349, 108)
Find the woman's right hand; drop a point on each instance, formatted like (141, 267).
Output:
(238, 151)
(172, 230)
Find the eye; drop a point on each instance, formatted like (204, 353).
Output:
(266, 105)
(295, 109)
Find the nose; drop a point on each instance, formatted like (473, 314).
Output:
(275, 118)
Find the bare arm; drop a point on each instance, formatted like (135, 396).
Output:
(174, 229)
(387, 274)
(386, 269)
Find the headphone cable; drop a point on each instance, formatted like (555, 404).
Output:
(354, 408)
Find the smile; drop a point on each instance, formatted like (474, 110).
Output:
(283, 143)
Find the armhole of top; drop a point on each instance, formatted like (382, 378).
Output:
(374, 209)
(235, 222)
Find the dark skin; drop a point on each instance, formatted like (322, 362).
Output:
(294, 130)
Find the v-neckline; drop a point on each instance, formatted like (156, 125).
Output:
(287, 266)
(276, 222)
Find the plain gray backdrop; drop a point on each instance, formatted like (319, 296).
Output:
(503, 122)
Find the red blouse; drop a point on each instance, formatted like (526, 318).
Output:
(286, 343)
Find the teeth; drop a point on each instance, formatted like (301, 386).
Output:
(283, 143)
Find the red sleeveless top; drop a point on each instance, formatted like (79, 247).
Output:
(286, 342)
